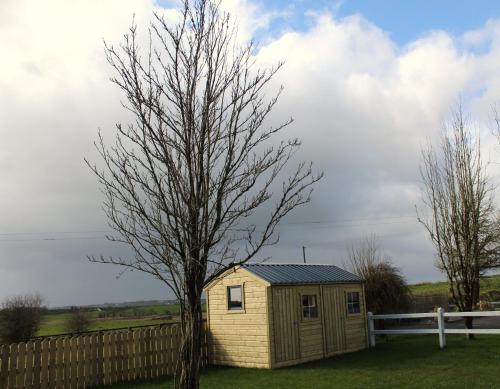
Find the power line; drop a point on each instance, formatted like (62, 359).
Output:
(53, 239)
(55, 232)
(338, 223)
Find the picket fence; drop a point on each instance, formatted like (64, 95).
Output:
(91, 359)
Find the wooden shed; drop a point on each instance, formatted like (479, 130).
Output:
(274, 315)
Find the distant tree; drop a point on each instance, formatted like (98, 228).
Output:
(185, 181)
(20, 317)
(386, 290)
(463, 223)
(78, 321)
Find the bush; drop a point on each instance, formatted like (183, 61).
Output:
(386, 289)
(485, 305)
(78, 322)
(20, 317)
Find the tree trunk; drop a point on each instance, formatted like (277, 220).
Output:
(469, 325)
(189, 362)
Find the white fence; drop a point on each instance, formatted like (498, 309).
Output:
(440, 316)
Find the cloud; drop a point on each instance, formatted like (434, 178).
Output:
(362, 105)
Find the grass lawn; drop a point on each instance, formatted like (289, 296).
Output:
(486, 284)
(402, 361)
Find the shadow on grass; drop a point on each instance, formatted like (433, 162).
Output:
(404, 361)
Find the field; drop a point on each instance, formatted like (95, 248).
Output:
(487, 284)
(54, 323)
(409, 362)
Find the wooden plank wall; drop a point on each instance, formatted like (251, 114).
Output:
(91, 359)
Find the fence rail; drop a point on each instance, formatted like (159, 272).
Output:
(440, 316)
(91, 359)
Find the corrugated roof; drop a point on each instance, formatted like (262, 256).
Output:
(277, 274)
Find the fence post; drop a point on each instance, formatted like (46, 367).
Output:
(371, 329)
(442, 335)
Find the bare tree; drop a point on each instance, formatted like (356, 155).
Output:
(462, 225)
(184, 181)
(386, 289)
(20, 317)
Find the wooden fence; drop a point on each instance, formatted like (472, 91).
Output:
(91, 359)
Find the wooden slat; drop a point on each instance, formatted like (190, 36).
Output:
(137, 354)
(119, 357)
(87, 361)
(43, 364)
(48, 362)
(130, 356)
(147, 353)
(105, 359)
(73, 341)
(80, 360)
(168, 344)
(4, 365)
(162, 354)
(30, 360)
(166, 347)
(21, 365)
(59, 383)
(97, 359)
(157, 353)
(37, 364)
(67, 362)
(112, 358)
(13, 366)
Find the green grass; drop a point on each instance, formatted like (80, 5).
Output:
(55, 323)
(409, 362)
(487, 284)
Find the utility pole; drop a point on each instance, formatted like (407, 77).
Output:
(304, 253)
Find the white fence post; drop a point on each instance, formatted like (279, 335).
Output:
(442, 335)
(371, 329)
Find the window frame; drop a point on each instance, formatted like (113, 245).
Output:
(353, 303)
(228, 296)
(302, 307)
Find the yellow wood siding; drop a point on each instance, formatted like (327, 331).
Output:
(239, 338)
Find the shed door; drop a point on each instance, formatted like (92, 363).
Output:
(334, 319)
(286, 324)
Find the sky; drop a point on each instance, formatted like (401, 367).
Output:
(367, 83)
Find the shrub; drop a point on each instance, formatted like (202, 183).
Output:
(485, 305)
(78, 322)
(386, 289)
(20, 317)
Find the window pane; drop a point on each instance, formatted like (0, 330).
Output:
(353, 305)
(309, 308)
(234, 297)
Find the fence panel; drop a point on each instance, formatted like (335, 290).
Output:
(92, 359)
(440, 315)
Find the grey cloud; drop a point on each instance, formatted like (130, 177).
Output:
(361, 105)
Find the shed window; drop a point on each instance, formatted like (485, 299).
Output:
(234, 297)
(353, 302)
(309, 306)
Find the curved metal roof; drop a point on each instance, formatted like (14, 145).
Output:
(277, 274)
